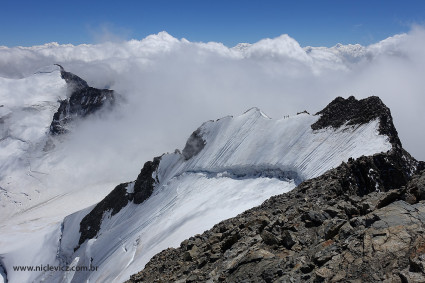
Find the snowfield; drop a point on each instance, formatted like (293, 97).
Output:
(189, 204)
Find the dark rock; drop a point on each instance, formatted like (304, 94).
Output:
(331, 228)
(113, 203)
(118, 199)
(269, 238)
(287, 239)
(229, 242)
(194, 145)
(358, 112)
(145, 183)
(83, 101)
(417, 187)
(214, 257)
(307, 268)
(313, 218)
(74, 81)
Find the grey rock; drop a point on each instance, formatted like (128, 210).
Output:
(83, 101)
(194, 145)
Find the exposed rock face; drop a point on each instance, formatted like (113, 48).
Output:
(119, 198)
(362, 221)
(84, 100)
(145, 182)
(194, 145)
(358, 112)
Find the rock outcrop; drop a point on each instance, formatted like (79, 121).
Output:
(136, 191)
(83, 101)
(357, 112)
(363, 221)
(194, 145)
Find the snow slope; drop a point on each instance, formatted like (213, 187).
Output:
(37, 188)
(245, 160)
(26, 112)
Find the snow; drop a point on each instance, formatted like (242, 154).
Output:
(255, 142)
(187, 205)
(37, 188)
(246, 160)
(26, 114)
(130, 188)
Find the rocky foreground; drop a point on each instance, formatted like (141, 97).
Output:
(363, 221)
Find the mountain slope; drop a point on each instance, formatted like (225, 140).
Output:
(226, 167)
(363, 220)
(26, 112)
(38, 183)
(34, 110)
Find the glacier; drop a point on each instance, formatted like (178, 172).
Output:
(245, 160)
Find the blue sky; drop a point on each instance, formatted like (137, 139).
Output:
(315, 23)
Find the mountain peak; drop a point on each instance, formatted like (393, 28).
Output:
(352, 112)
(84, 100)
(71, 79)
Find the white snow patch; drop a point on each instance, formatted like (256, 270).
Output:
(189, 204)
(130, 188)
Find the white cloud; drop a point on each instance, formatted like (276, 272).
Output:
(171, 86)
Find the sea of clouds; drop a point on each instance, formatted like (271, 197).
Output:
(168, 87)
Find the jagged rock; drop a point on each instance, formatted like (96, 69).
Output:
(83, 101)
(334, 228)
(358, 112)
(118, 199)
(287, 239)
(145, 182)
(113, 202)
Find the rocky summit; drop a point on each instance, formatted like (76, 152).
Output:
(83, 100)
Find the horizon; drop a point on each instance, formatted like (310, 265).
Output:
(311, 23)
(55, 43)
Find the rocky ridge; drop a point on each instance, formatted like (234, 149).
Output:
(351, 111)
(363, 221)
(83, 101)
(118, 198)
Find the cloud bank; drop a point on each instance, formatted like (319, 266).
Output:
(171, 86)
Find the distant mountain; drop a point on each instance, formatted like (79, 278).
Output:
(227, 166)
(82, 101)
